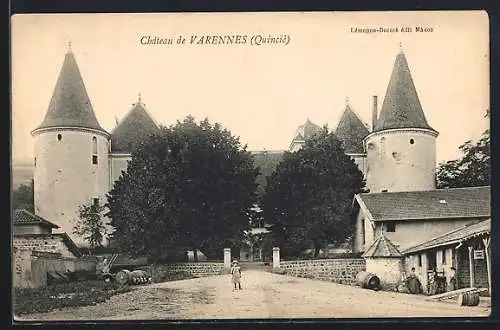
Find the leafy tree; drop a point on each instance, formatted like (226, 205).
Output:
(309, 195)
(90, 224)
(191, 185)
(472, 169)
(23, 198)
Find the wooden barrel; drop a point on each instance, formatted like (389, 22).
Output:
(368, 280)
(123, 277)
(468, 299)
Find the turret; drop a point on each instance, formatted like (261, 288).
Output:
(303, 133)
(71, 152)
(136, 126)
(351, 131)
(401, 149)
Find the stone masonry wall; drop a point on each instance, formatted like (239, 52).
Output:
(342, 271)
(197, 269)
(53, 244)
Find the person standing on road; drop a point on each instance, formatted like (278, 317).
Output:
(236, 275)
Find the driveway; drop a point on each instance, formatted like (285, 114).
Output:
(264, 295)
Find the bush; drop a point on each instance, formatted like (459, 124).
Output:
(58, 296)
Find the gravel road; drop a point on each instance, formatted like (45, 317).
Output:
(264, 295)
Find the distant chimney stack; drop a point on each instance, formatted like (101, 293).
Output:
(374, 112)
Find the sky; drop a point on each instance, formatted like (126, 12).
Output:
(260, 93)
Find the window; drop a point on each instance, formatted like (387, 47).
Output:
(94, 150)
(35, 162)
(390, 226)
(96, 201)
(94, 145)
(385, 190)
(419, 260)
(59, 137)
(412, 141)
(443, 256)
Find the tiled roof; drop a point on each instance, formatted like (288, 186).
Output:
(23, 217)
(455, 236)
(132, 130)
(382, 248)
(401, 107)
(70, 104)
(351, 131)
(431, 204)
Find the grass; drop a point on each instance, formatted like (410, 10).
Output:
(59, 296)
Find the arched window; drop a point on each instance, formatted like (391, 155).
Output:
(94, 151)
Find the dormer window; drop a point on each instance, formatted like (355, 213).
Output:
(94, 151)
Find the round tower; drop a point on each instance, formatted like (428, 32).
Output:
(71, 153)
(401, 149)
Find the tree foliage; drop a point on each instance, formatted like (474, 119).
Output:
(23, 198)
(471, 170)
(308, 197)
(190, 186)
(90, 224)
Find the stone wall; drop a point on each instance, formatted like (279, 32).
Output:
(342, 271)
(197, 269)
(45, 243)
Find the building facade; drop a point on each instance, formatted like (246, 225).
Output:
(77, 161)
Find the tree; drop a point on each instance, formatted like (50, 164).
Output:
(471, 170)
(90, 224)
(191, 185)
(309, 195)
(23, 198)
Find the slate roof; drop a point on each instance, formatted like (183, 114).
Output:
(133, 129)
(351, 131)
(306, 130)
(401, 107)
(453, 237)
(70, 104)
(431, 204)
(382, 248)
(24, 217)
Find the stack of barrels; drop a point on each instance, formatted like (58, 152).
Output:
(135, 277)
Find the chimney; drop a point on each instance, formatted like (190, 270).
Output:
(374, 112)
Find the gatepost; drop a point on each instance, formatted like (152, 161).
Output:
(227, 258)
(276, 257)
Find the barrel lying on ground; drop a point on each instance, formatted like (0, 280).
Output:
(368, 280)
(468, 299)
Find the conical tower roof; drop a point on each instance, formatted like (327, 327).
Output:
(135, 127)
(306, 130)
(70, 104)
(351, 131)
(401, 107)
(382, 248)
